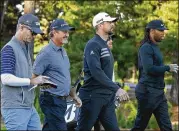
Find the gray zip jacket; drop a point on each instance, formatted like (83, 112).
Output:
(18, 97)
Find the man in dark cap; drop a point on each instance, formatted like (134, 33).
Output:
(53, 62)
(150, 88)
(17, 100)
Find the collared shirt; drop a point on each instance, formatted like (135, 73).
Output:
(52, 61)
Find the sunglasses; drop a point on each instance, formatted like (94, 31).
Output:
(32, 32)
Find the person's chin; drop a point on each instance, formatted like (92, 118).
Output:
(28, 41)
(65, 42)
(159, 40)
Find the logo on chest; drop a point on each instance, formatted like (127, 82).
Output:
(105, 52)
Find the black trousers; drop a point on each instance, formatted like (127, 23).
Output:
(97, 107)
(152, 101)
(54, 112)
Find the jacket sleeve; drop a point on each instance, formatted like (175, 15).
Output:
(92, 56)
(146, 56)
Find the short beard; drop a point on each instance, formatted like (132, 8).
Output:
(110, 32)
(65, 41)
(158, 40)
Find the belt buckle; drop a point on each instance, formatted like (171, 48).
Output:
(42, 93)
(62, 97)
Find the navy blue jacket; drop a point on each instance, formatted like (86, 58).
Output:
(151, 67)
(98, 67)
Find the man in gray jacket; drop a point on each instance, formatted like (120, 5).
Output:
(17, 107)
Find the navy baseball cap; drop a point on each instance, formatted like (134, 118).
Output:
(32, 21)
(156, 24)
(60, 24)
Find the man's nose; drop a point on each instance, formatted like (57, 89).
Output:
(33, 36)
(112, 24)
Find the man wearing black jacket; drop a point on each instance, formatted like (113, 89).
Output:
(98, 91)
(150, 88)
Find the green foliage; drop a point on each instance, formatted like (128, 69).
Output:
(126, 88)
(134, 16)
(36, 104)
(126, 114)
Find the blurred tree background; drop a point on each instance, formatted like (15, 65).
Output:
(133, 14)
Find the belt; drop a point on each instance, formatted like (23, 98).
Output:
(45, 93)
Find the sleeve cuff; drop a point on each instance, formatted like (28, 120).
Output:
(167, 68)
(27, 80)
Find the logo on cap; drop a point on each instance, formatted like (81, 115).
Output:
(65, 24)
(102, 17)
(37, 23)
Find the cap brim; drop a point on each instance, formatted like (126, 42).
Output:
(71, 28)
(160, 28)
(163, 28)
(115, 19)
(66, 28)
(112, 19)
(37, 30)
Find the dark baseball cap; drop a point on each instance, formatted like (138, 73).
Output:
(32, 21)
(156, 24)
(60, 24)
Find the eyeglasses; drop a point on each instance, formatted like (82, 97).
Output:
(32, 32)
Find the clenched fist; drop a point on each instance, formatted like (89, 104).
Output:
(39, 80)
(122, 95)
(173, 68)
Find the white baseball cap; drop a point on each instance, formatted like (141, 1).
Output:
(101, 17)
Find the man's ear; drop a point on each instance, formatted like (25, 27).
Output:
(54, 31)
(152, 31)
(20, 27)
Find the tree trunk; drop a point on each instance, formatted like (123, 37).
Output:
(29, 8)
(5, 3)
(175, 85)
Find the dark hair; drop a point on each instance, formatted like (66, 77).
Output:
(146, 36)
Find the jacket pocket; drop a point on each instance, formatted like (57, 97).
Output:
(22, 94)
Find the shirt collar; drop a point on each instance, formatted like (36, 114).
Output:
(56, 48)
(101, 39)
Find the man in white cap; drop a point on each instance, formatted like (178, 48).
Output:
(99, 91)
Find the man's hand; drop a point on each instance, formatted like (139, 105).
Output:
(122, 95)
(39, 80)
(77, 101)
(173, 68)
